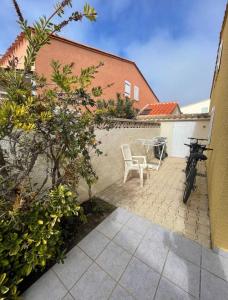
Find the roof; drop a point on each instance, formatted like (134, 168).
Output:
(162, 108)
(178, 117)
(21, 36)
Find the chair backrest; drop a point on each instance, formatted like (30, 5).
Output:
(126, 151)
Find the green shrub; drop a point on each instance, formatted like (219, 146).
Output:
(51, 122)
(28, 240)
(118, 108)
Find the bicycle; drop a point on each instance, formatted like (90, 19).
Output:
(195, 147)
(192, 164)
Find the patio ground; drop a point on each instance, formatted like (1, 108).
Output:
(160, 200)
(127, 257)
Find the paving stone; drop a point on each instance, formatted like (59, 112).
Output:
(212, 287)
(185, 248)
(114, 260)
(182, 273)
(204, 241)
(215, 263)
(94, 243)
(120, 293)
(157, 233)
(76, 263)
(204, 229)
(152, 253)
(138, 224)
(95, 284)
(109, 228)
(128, 239)
(190, 229)
(169, 291)
(47, 287)
(140, 280)
(68, 297)
(121, 215)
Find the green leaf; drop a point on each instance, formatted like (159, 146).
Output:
(14, 251)
(89, 12)
(27, 269)
(2, 277)
(4, 289)
(14, 290)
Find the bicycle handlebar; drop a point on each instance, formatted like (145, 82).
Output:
(203, 147)
(192, 138)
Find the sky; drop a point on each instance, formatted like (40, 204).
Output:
(173, 42)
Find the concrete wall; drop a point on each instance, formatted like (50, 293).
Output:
(109, 166)
(218, 160)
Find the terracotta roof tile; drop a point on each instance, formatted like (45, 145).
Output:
(165, 108)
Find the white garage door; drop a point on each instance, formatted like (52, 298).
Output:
(181, 132)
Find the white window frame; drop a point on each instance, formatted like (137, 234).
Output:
(136, 93)
(219, 56)
(212, 113)
(127, 85)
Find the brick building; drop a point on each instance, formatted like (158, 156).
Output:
(123, 74)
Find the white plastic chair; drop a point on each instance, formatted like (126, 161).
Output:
(133, 163)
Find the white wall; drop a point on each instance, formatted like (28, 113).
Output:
(177, 134)
(196, 108)
(109, 166)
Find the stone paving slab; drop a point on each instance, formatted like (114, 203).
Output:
(157, 265)
(160, 199)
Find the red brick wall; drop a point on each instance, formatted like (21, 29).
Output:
(114, 70)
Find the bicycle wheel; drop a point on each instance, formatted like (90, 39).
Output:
(189, 184)
(188, 164)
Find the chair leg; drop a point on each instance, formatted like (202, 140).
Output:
(125, 175)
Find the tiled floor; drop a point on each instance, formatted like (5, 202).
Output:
(128, 257)
(160, 200)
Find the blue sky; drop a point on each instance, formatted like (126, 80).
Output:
(174, 42)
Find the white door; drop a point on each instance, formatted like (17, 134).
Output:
(181, 132)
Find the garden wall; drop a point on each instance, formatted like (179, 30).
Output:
(109, 166)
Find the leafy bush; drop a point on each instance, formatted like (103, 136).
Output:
(54, 125)
(28, 239)
(118, 108)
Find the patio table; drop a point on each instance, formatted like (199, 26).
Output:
(149, 144)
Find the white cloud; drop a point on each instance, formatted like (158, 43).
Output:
(177, 69)
(181, 68)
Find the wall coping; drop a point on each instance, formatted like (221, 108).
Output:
(132, 123)
(174, 118)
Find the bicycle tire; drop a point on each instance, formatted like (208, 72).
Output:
(188, 164)
(189, 184)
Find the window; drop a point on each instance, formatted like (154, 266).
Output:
(127, 89)
(219, 56)
(136, 93)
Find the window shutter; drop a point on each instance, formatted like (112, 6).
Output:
(136, 93)
(127, 89)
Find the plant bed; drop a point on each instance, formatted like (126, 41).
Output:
(74, 230)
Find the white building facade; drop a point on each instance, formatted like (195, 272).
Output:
(196, 108)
